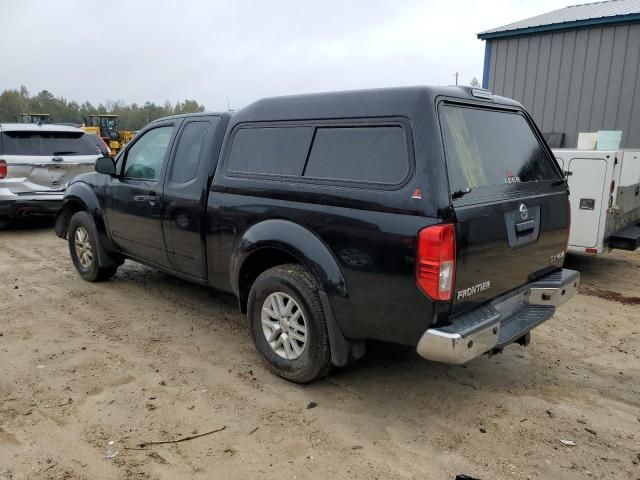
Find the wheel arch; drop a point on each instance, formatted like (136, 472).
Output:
(275, 242)
(81, 197)
(71, 206)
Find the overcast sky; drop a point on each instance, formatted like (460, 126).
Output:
(210, 50)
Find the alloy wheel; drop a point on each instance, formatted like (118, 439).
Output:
(82, 244)
(284, 325)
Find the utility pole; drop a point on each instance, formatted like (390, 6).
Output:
(456, 75)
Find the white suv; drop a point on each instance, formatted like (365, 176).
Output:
(37, 162)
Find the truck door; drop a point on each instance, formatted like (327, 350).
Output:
(587, 185)
(134, 212)
(185, 194)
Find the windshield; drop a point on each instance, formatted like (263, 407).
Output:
(47, 143)
(489, 147)
(109, 123)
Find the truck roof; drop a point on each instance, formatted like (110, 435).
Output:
(190, 115)
(377, 102)
(32, 127)
(367, 103)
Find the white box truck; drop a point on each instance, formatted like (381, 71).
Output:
(605, 199)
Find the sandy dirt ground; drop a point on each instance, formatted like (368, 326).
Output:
(147, 357)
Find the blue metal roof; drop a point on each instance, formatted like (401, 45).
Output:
(574, 16)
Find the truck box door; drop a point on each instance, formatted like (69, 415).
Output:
(587, 186)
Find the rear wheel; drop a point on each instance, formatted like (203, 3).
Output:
(83, 247)
(288, 325)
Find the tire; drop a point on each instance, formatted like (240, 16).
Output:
(84, 235)
(300, 364)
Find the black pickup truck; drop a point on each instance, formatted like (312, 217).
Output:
(431, 217)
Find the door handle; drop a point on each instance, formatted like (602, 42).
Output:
(150, 197)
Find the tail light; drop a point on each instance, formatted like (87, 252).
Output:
(3, 169)
(436, 261)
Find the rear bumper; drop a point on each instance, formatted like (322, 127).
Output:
(23, 205)
(500, 322)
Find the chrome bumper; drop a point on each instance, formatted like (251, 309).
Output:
(500, 322)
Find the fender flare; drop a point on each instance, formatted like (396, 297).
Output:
(80, 193)
(311, 252)
(295, 240)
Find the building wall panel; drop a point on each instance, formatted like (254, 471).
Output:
(574, 80)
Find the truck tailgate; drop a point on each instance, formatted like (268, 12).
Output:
(499, 249)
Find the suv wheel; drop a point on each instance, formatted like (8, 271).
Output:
(287, 323)
(83, 247)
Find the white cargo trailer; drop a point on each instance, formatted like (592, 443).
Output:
(605, 199)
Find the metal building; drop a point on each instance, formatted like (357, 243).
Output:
(575, 69)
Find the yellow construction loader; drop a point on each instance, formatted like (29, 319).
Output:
(105, 125)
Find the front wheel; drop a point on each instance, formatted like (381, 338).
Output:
(83, 247)
(287, 323)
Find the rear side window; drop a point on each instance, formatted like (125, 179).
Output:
(270, 150)
(369, 154)
(361, 154)
(489, 147)
(47, 143)
(189, 151)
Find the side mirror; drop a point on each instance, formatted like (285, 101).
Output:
(106, 165)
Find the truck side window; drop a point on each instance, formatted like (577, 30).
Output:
(187, 159)
(270, 150)
(363, 154)
(145, 158)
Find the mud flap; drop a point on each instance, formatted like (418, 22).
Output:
(342, 350)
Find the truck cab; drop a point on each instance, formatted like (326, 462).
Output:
(427, 216)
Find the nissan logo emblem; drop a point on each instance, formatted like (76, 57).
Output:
(524, 211)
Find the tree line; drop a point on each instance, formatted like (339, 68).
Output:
(14, 102)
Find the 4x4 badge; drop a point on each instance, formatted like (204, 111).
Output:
(524, 211)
